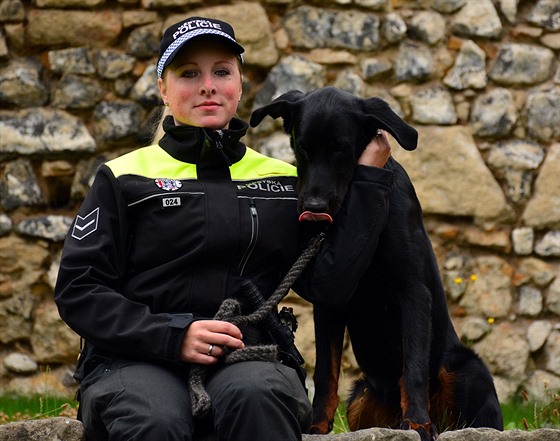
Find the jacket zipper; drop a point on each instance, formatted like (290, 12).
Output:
(220, 147)
(254, 235)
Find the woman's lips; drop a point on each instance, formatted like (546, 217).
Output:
(208, 105)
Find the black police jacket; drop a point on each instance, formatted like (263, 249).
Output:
(167, 232)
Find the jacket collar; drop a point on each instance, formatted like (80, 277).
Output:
(196, 144)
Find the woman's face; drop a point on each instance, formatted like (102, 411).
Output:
(203, 84)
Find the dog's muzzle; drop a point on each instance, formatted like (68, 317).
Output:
(315, 217)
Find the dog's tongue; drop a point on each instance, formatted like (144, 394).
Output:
(316, 217)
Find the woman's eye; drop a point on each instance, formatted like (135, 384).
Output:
(222, 72)
(189, 74)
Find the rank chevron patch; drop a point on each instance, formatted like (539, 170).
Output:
(86, 225)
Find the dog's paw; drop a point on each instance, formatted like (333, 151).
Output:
(321, 428)
(427, 431)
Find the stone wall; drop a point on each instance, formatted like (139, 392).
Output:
(64, 429)
(479, 79)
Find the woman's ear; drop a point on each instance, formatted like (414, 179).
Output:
(240, 89)
(162, 90)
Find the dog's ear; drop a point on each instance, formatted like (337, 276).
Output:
(383, 117)
(280, 107)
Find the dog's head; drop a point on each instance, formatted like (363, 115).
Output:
(328, 130)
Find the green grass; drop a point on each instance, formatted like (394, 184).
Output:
(340, 424)
(518, 414)
(18, 408)
(523, 413)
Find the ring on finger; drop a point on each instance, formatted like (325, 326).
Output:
(210, 349)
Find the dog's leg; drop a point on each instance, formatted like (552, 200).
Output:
(466, 396)
(414, 384)
(442, 402)
(329, 338)
(415, 410)
(366, 409)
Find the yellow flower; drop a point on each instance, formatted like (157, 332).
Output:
(490, 320)
(473, 277)
(458, 280)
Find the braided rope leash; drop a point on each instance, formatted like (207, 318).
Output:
(230, 311)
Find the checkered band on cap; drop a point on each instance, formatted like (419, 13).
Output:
(184, 38)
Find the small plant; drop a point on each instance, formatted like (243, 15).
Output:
(545, 414)
(340, 424)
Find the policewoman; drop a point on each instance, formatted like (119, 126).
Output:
(165, 234)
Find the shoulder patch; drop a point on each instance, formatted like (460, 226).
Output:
(84, 226)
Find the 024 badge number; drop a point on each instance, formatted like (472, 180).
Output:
(171, 202)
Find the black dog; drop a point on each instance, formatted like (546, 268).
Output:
(417, 374)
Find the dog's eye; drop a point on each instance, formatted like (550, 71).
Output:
(340, 147)
(301, 153)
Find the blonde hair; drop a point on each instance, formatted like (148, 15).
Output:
(158, 129)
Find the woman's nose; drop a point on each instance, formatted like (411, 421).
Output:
(207, 86)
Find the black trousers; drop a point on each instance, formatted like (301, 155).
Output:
(125, 400)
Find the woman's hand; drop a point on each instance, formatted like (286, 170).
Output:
(206, 340)
(377, 152)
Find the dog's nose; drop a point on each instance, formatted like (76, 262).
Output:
(315, 205)
(315, 209)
